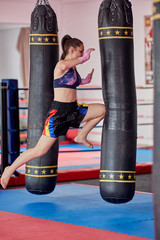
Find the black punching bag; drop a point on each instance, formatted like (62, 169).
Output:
(41, 173)
(119, 134)
(156, 163)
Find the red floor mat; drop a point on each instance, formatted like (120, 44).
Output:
(15, 226)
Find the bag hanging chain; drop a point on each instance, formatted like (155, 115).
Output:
(40, 2)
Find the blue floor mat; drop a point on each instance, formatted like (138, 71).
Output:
(82, 205)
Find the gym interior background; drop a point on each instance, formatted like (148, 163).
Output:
(79, 18)
(85, 28)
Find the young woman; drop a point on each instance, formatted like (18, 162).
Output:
(64, 112)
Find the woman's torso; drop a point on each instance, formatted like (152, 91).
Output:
(65, 95)
(65, 85)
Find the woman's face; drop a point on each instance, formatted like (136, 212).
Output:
(78, 51)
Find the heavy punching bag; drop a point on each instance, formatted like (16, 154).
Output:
(41, 173)
(119, 134)
(156, 162)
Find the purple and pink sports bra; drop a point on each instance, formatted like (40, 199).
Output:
(71, 79)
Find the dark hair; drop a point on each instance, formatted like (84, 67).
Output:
(68, 42)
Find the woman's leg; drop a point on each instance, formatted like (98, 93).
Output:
(95, 114)
(43, 145)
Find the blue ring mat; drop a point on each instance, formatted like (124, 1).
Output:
(143, 156)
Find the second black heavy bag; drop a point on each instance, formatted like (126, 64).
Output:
(156, 162)
(118, 156)
(41, 173)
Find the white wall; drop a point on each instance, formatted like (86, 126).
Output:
(79, 19)
(9, 60)
(16, 11)
(140, 9)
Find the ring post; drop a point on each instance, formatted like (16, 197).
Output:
(13, 119)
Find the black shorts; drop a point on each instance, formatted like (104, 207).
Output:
(62, 116)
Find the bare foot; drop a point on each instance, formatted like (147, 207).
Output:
(5, 177)
(84, 141)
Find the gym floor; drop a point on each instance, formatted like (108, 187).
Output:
(75, 210)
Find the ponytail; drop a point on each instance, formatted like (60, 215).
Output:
(68, 42)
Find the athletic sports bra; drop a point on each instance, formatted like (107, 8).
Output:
(71, 79)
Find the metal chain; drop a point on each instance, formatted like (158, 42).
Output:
(47, 2)
(40, 2)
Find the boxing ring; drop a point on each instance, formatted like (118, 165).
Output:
(75, 161)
